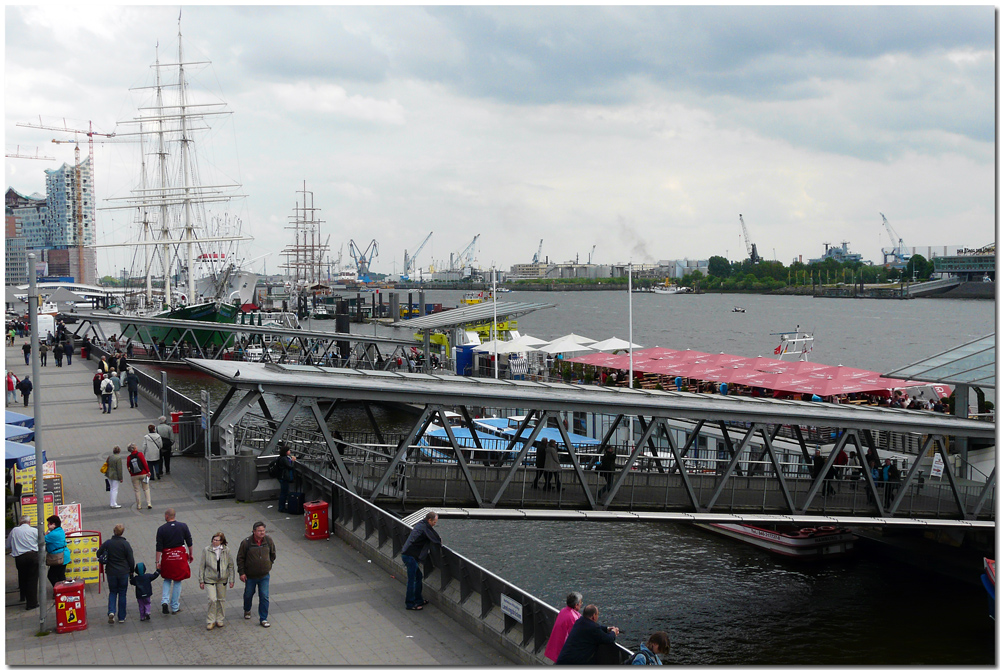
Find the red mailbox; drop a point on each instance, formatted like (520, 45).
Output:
(71, 606)
(175, 418)
(317, 520)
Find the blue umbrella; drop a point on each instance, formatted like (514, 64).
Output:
(20, 419)
(18, 433)
(21, 454)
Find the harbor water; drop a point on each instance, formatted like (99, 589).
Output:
(722, 602)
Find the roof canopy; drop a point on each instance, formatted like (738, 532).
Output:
(472, 315)
(973, 363)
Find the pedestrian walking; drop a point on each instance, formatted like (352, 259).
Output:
(58, 350)
(98, 379)
(107, 390)
(138, 470)
(607, 469)
(119, 564)
(172, 559)
(68, 350)
(166, 434)
(564, 622)
(539, 463)
(214, 571)
(649, 653)
(57, 555)
(132, 384)
(26, 349)
(152, 445)
(10, 336)
(552, 468)
(103, 366)
(143, 584)
(585, 637)
(417, 548)
(254, 559)
(115, 475)
(43, 353)
(286, 475)
(12, 381)
(23, 544)
(117, 387)
(25, 386)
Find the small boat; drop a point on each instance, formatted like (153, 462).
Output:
(785, 540)
(672, 289)
(989, 579)
(740, 310)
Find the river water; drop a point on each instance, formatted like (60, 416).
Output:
(722, 602)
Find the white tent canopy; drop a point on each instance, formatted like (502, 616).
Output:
(573, 338)
(530, 340)
(612, 344)
(504, 346)
(557, 347)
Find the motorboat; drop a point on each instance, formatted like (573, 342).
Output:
(739, 310)
(672, 289)
(808, 543)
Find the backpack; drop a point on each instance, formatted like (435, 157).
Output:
(274, 468)
(642, 652)
(134, 465)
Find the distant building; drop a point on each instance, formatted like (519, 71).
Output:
(839, 254)
(26, 217)
(969, 264)
(16, 261)
(677, 269)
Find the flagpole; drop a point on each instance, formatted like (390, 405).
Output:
(496, 354)
(631, 419)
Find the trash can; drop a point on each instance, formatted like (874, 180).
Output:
(246, 477)
(317, 520)
(71, 606)
(175, 419)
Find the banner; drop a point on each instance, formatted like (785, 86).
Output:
(937, 468)
(26, 477)
(83, 546)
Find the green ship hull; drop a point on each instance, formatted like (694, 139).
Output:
(209, 312)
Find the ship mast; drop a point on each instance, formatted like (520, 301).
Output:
(164, 217)
(185, 165)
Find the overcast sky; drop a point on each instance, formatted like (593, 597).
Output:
(645, 131)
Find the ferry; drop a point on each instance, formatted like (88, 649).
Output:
(807, 543)
(672, 289)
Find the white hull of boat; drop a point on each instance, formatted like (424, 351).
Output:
(804, 543)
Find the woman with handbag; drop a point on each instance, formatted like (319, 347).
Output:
(215, 570)
(57, 553)
(114, 470)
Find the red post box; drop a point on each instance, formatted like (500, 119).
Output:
(71, 606)
(175, 418)
(317, 520)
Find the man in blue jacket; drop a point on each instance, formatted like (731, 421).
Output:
(415, 549)
(585, 637)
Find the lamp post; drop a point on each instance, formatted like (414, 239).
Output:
(631, 419)
(39, 489)
(496, 355)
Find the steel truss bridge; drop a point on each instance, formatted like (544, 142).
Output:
(768, 487)
(293, 344)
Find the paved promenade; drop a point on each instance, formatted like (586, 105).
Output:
(329, 606)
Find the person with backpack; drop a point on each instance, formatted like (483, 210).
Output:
(649, 653)
(119, 563)
(138, 469)
(107, 390)
(283, 469)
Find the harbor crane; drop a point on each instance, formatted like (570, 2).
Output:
(590, 256)
(900, 253)
(464, 258)
(17, 154)
(538, 254)
(409, 262)
(363, 259)
(751, 247)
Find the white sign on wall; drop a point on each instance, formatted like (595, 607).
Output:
(937, 468)
(511, 608)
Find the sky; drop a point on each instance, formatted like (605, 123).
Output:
(640, 132)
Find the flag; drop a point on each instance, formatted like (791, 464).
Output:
(777, 349)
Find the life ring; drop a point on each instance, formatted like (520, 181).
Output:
(807, 531)
(827, 529)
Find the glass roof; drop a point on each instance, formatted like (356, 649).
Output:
(973, 364)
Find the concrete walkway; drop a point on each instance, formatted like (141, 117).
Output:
(329, 606)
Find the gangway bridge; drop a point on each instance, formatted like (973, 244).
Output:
(753, 472)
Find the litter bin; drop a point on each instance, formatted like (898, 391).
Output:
(175, 419)
(71, 606)
(317, 520)
(246, 477)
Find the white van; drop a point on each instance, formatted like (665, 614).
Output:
(46, 326)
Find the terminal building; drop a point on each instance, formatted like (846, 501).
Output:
(970, 265)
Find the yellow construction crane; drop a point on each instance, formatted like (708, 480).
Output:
(78, 209)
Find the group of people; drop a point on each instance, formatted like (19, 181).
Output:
(22, 542)
(109, 379)
(547, 465)
(14, 385)
(150, 462)
(578, 639)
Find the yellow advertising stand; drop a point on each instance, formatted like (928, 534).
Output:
(83, 546)
(29, 507)
(26, 477)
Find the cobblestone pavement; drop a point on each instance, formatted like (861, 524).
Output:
(329, 606)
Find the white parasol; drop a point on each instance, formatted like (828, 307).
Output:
(613, 344)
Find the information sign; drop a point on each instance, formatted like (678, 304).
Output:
(204, 410)
(71, 516)
(511, 608)
(26, 477)
(52, 484)
(83, 546)
(937, 468)
(29, 507)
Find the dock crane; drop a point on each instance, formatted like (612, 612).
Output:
(17, 154)
(751, 247)
(409, 262)
(899, 252)
(464, 258)
(538, 254)
(590, 256)
(363, 259)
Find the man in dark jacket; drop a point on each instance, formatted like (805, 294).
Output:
(607, 468)
(253, 561)
(25, 387)
(584, 639)
(118, 567)
(132, 384)
(415, 549)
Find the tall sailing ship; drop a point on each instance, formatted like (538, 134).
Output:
(195, 248)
